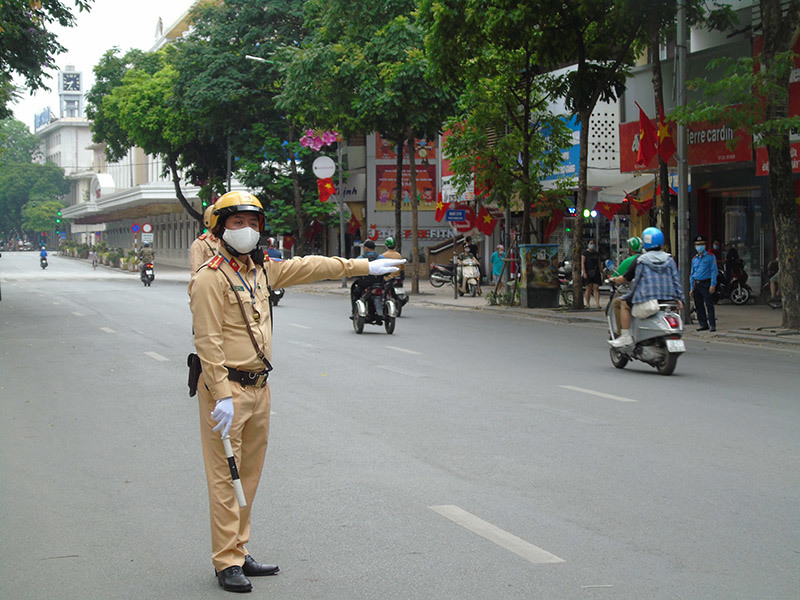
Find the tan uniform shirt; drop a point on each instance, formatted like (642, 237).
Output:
(201, 250)
(220, 334)
(393, 254)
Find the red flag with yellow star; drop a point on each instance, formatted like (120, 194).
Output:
(485, 222)
(666, 144)
(648, 139)
(441, 208)
(608, 209)
(326, 188)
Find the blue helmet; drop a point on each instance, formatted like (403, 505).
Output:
(652, 238)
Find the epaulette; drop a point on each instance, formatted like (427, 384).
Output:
(215, 262)
(266, 256)
(202, 236)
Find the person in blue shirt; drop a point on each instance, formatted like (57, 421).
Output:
(703, 282)
(272, 251)
(43, 253)
(497, 260)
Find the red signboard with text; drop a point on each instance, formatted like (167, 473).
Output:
(386, 183)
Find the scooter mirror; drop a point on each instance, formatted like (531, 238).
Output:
(609, 264)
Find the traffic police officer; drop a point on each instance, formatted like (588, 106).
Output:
(205, 246)
(703, 282)
(232, 335)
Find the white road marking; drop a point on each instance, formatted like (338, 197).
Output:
(600, 394)
(78, 314)
(107, 330)
(157, 356)
(56, 303)
(400, 371)
(496, 535)
(300, 326)
(403, 350)
(302, 344)
(567, 414)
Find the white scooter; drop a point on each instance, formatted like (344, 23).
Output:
(657, 338)
(469, 276)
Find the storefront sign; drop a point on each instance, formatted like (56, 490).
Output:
(431, 233)
(762, 159)
(387, 150)
(708, 145)
(386, 193)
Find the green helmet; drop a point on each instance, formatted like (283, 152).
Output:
(635, 244)
(390, 243)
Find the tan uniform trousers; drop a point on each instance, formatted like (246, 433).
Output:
(616, 304)
(230, 525)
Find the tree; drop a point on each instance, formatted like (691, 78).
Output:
(754, 95)
(23, 183)
(40, 215)
(17, 143)
(27, 48)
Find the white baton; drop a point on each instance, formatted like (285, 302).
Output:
(237, 485)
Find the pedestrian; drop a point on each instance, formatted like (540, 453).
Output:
(94, 258)
(590, 270)
(497, 260)
(232, 335)
(205, 246)
(703, 282)
(272, 251)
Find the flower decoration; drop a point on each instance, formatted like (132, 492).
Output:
(317, 138)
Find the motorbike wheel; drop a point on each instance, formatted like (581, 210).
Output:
(358, 323)
(436, 279)
(388, 324)
(668, 366)
(473, 290)
(740, 295)
(618, 359)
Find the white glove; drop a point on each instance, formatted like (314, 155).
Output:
(384, 266)
(223, 415)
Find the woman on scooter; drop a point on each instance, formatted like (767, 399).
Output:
(655, 277)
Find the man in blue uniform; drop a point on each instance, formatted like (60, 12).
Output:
(703, 281)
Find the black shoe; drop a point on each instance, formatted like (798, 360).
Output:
(233, 580)
(703, 328)
(713, 328)
(252, 568)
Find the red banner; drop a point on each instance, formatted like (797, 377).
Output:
(386, 183)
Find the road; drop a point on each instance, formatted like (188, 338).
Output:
(469, 455)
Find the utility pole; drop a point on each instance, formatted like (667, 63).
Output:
(683, 160)
(341, 205)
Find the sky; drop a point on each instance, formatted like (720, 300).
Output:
(110, 23)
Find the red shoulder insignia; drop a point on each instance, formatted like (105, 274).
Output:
(215, 262)
(234, 265)
(266, 256)
(202, 236)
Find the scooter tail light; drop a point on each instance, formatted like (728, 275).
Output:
(673, 321)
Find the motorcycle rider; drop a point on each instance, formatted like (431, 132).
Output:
(391, 252)
(655, 276)
(272, 251)
(702, 283)
(635, 247)
(146, 255)
(362, 283)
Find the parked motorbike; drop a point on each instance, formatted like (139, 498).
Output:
(400, 292)
(657, 338)
(736, 290)
(147, 276)
(440, 274)
(43, 262)
(469, 276)
(275, 296)
(565, 283)
(377, 305)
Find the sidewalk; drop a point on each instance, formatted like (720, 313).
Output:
(755, 323)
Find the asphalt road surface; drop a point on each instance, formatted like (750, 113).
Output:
(469, 455)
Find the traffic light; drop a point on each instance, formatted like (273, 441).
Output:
(205, 203)
(58, 217)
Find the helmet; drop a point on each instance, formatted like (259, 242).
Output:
(390, 243)
(271, 242)
(653, 238)
(635, 244)
(232, 203)
(207, 216)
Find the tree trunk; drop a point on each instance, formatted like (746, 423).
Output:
(577, 233)
(298, 201)
(778, 29)
(398, 201)
(176, 181)
(414, 215)
(663, 171)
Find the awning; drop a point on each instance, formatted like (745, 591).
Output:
(616, 193)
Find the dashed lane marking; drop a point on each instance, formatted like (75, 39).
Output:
(78, 314)
(107, 330)
(300, 326)
(494, 534)
(600, 394)
(403, 350)
(157, 356)
(400, 371)
(302, 344)
(56, 303)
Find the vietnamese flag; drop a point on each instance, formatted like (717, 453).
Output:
(485, 222)
(666, 145)
(608, 209)
(353, 225)
(326, 188)
(643, 206)
(553, 222)
(648, 139)
(441, 208)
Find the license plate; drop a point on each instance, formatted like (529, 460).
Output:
(676, 346)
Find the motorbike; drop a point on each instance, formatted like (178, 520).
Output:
(377, 305)
(565, 283)
(147, 275)
(440, 274)
(468, 276)
(736, 290)
(43, 262)
(400, 292)
(657, 338)
(275, 296)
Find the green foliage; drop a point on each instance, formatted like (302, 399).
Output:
(27, 47)
(22, 183)
(17, 143)
(40, 215)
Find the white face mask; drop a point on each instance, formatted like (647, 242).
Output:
(242, 240)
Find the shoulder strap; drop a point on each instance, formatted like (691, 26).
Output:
(259, 353)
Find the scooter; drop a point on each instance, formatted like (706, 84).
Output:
(147, 275)
(440, 274)
(43, 262)
(400, 293)
(565, 283)
(468, 276)
(736, 290)
(377, 305)
(657, 338)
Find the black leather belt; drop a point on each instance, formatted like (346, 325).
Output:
(248, 378)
